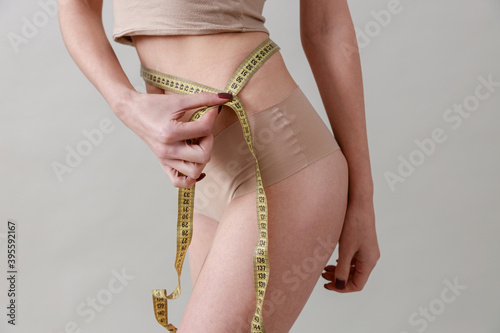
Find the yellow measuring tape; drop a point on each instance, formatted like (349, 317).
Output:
(186, 196)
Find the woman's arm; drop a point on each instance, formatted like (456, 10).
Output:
(153, 117)
(328, 39)
(83, 33)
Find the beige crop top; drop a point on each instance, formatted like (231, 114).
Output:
(185, 17)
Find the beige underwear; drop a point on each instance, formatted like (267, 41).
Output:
(287, 137)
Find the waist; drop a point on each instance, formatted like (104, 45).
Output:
(211, 60)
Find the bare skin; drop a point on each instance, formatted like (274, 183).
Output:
(329, 41)
(304, 207)
(332, 198)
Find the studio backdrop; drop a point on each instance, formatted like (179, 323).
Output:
(94, 214)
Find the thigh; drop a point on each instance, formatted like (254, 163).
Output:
(306, 214)
(204, 229)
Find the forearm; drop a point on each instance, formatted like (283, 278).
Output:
(338, 76)
(85, 38)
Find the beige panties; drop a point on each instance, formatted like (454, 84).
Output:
(288, 136)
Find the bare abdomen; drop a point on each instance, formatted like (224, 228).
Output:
(211, 60)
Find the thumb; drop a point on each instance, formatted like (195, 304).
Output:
(209, 116)
(199, 128)
(343, 270)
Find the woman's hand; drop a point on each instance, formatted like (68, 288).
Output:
(358, 246)
(155, 118)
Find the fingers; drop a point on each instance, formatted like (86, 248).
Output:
(189, 169)
(180, 131)
(158, 124)
(342, 270)
(350, 277)
(184, 173)
(195, 129)
(179, 180)
(199, 152)
(360, 277)
(187, 159)
(329, 274)
(184, 162)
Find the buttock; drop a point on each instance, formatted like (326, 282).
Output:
(287, 137)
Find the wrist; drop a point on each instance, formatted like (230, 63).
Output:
(361, 192)
(121, 103)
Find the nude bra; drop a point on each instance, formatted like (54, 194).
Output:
(185, 17)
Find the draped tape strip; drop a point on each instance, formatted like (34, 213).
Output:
(186, 196)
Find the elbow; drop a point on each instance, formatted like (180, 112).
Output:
(315, 37)
(319, 29)
(325, 30)
(325, 36)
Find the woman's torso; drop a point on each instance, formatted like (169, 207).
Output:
(211, 60)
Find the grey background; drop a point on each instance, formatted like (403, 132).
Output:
(116, 210)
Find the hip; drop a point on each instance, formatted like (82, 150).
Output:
(287, 137)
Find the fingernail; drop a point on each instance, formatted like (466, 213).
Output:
(224, 95)
(339, 284)
(220, 108)
(201, 177)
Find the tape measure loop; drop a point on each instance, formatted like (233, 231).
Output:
(186, 196)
